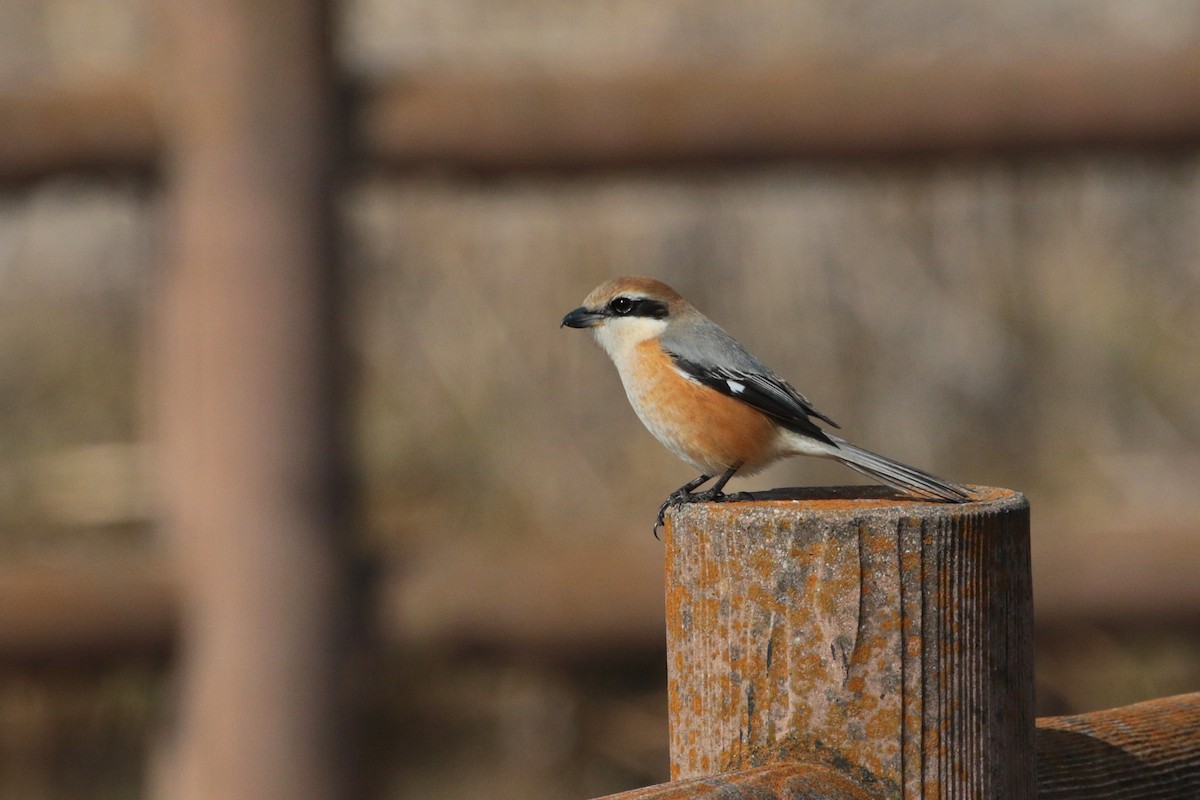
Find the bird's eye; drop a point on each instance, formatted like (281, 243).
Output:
(621, 305)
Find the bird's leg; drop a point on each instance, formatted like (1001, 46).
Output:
(677, 498)
(715, 494)
(686, 494)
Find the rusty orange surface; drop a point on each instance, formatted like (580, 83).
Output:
(796, 781)
(1147, 750)
(850, 627)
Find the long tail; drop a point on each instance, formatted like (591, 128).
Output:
(897, 475)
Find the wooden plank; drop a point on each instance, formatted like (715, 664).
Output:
(1147, 751)
(94, 608)
(795, 781)
(108, 125)
(891, 639)
(1121, 569)
(819, 108)
(566, 602)
(573, 602)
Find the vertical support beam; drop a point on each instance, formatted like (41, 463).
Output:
(244, 389)
(889, 638)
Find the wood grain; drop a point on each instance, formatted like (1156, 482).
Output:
(799, 781)
(1147, 751)
(890, 638)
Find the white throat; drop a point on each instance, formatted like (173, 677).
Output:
(619, 336)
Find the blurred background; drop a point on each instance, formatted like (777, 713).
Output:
(969, 231)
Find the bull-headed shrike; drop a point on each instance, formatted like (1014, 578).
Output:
(712, 403)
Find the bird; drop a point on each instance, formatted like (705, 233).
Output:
(712, 403)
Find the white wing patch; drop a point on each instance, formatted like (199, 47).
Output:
(734, 386)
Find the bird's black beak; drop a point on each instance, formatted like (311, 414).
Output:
(582, 318)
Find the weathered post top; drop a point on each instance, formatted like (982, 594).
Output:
(890, 638)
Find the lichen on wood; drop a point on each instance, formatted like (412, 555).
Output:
(888, 637)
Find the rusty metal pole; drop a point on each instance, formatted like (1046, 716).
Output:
(889, 638)
(245, 387)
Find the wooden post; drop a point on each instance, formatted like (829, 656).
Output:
(246, 387)
(889, 638)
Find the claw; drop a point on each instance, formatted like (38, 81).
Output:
(684, 494)
(674, 500)
(680, 497)
(659, 521)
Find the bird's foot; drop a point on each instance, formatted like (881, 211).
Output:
(717, 496)
(708, 496)
(675, 499)
(681, 497)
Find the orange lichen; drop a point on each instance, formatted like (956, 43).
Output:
(809, 617)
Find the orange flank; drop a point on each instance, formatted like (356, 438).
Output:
(721, 431)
